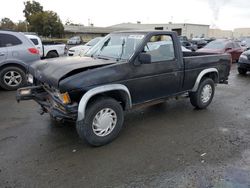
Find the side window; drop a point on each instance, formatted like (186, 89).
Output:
(35, 41)
(161, 48)
(9, 40)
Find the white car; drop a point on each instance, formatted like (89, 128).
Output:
(48, 50)
(75, 40)
(185, 49)
(82, 49)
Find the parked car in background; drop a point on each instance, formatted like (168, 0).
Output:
(187, 44)
(200, 42)
(123, 71)
(81, 49)
(16, 53)
(48, 49)
(183, 49)
(244, 63)
(75, 40)
(224, 46)
(245, 42)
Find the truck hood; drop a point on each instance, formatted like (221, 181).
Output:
(79, 48)
(51, 71)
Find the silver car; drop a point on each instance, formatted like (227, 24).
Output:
(16, 53)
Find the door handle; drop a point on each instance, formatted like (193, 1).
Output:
(2, 54)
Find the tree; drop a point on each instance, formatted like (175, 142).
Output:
(21, 26)
(7, 23)
(31, 8)
(47, 24)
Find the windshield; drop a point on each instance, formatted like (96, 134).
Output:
(93, 42)
(216, 45)
(120, 46)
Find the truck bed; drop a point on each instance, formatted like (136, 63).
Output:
(195, 62)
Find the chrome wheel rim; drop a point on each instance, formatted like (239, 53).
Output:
(104, 122)
(12, 78)
(206, 93)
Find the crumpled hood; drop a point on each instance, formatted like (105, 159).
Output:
(51, 71)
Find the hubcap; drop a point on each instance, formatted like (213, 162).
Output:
(206, 93)
(12, 78)
(104, 122)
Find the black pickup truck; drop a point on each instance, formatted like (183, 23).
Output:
(124, 70)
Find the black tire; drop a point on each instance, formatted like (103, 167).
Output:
(19, 75)
(85, 128)
(242, 71)
(196, 97)
(52, 54)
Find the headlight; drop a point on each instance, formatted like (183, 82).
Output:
(64, 97)
(30, 79)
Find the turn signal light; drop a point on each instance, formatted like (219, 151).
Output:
(65, 98)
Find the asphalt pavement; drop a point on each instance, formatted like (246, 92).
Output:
(166, 145)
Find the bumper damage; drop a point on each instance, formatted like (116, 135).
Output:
(49, 103)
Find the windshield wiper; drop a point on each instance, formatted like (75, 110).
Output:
(101, 57)
(123, 45)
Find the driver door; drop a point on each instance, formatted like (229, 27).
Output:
(162, 77)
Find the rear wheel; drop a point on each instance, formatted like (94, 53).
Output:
(204, 95)
(11, 78)
(102, 123)
(242, 71)
(52, 54)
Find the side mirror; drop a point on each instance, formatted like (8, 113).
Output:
(145, 58)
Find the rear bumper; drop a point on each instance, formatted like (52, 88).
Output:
(49, 104)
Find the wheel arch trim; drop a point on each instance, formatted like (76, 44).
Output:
(98, 90)
(201, 75)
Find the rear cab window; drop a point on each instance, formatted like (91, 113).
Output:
(161, 48)
(7, 40)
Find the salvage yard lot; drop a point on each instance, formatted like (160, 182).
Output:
(167, 145)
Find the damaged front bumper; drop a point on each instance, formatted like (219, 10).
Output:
(48, 102)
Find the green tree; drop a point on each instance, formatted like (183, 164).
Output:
(7, 23)
(21, 26)
(31, 8)
(47, 24)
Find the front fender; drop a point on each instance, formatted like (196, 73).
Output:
(98, 90)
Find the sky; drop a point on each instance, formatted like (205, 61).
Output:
(222, 14)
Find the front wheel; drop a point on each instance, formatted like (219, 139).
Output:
(242, 71)
(102, 123)
(204, 95)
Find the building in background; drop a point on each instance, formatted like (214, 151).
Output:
(241, 32)
(87, 32)
(218, 33)
(183, 29)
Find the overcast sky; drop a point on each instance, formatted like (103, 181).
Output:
(223, 14)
